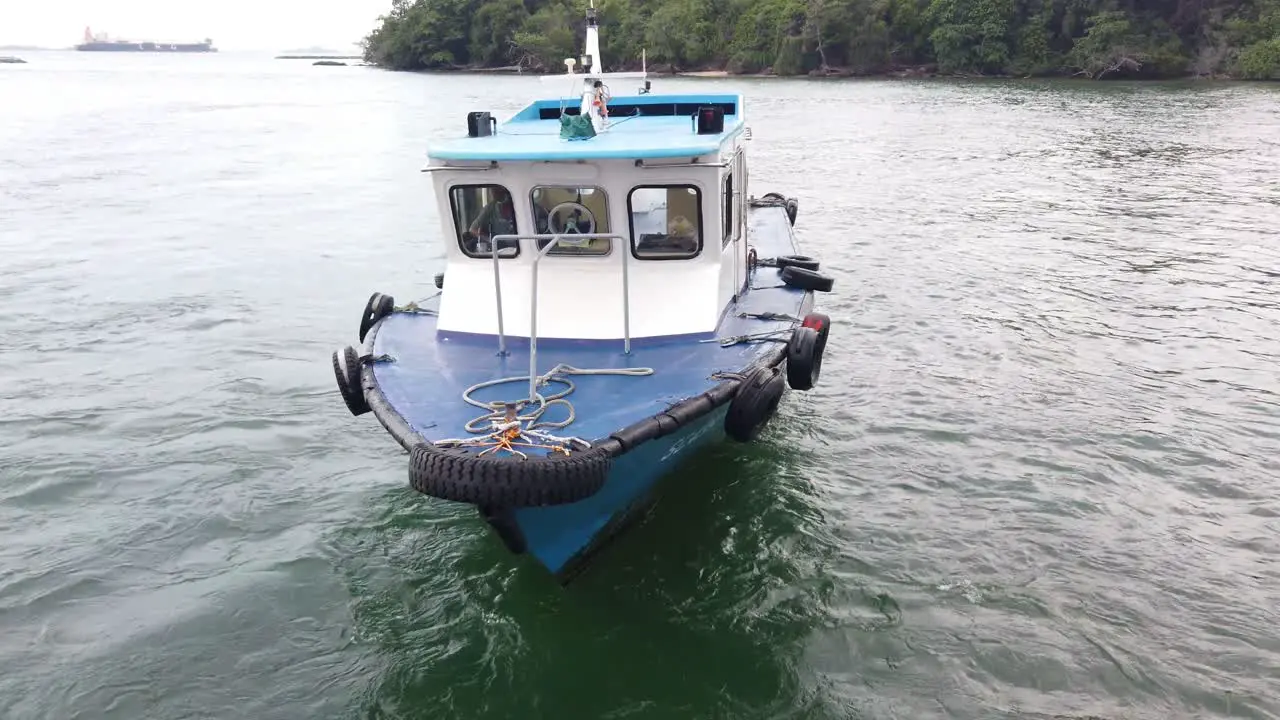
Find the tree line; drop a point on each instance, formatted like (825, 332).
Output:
(1099, 39)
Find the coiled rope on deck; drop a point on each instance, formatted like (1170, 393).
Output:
(503, 427)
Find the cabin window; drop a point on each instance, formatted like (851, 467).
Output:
(481, 212)
(666, 222)
(727, 215)
(572, 211)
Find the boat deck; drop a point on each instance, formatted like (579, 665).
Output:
(642, 126)
(427, 375)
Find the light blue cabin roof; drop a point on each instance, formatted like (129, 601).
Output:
(640, 126)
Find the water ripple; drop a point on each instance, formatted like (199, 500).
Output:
(1037, 481)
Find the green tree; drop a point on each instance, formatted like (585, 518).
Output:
(548, 36)
(972, 35)
(681, 33)
(1114, 45)
(420, 35)
(493, 31)
(1101, 39)
(1261, 60)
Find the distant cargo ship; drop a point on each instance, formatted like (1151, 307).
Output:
(101, 43)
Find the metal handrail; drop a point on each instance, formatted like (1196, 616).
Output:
(555, 239)
(492, 165)
(641, 164)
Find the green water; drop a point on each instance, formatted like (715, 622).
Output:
(1038, 480)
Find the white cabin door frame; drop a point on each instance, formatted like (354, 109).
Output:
(740, 275)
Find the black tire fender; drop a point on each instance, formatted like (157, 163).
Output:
(461, 475)
(804, 358)
(801, 261)
(754, 404)
(346, 370)
(378, 307)
(806, 279)
(439, 279)
(822, 323)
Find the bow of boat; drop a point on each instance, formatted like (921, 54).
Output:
(612, 300)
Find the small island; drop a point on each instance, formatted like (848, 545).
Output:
(318, 53)
(1093, 39)
(319, 57)
(11, 60)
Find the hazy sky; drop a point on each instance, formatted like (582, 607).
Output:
(232, 24)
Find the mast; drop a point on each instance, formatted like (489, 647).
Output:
(592, 63)
(592, 71)
(592, 67)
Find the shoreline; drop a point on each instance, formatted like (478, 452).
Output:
(909, 73)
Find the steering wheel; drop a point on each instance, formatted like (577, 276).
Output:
(579, 221)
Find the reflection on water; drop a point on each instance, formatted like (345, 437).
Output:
(722, 578)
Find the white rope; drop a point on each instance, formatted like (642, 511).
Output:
(416, 306)
(771, 335)
(503, 416)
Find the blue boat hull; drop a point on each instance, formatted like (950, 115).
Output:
(565, 537)
(562, 537)
(639, 428)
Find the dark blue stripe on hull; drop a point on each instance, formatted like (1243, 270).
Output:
(558, 534)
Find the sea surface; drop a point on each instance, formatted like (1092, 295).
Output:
(1040, 478)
